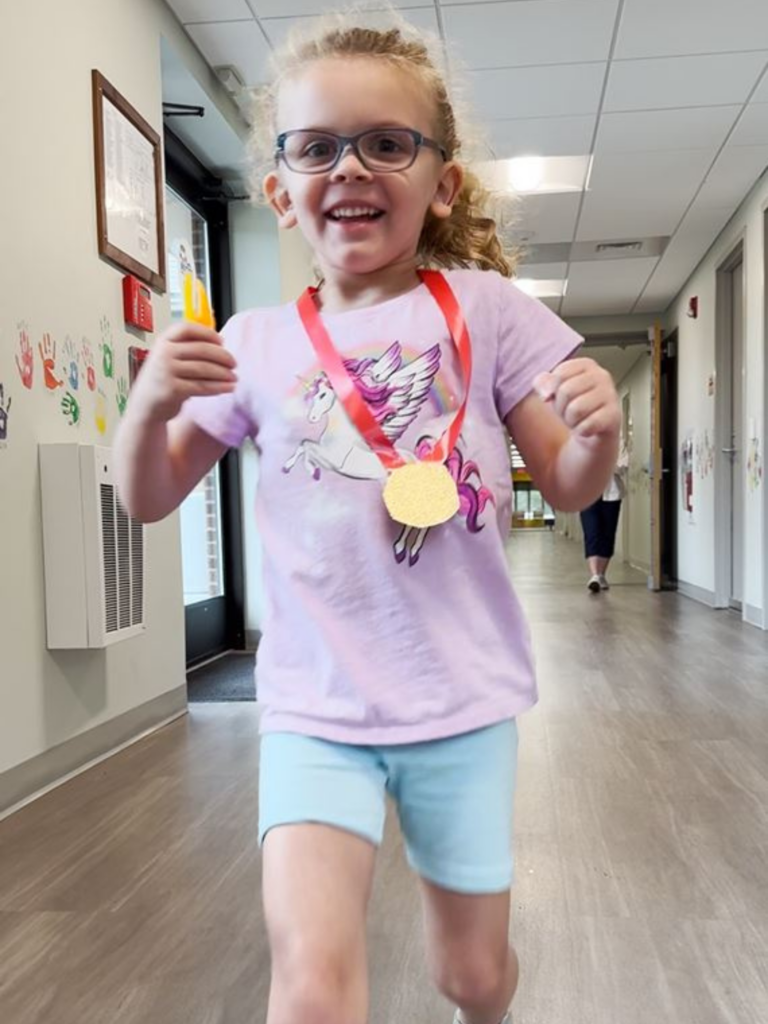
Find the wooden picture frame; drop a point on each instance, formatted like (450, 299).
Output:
(129, 186)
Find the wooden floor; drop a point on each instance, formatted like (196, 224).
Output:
(131, 895)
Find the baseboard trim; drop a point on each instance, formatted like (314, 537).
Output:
(754, 616)
(29, 781)
(699, 594)
(252, 638)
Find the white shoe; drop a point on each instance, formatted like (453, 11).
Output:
(604, 584)
(594, 586)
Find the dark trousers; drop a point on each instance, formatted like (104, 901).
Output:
(599, 523)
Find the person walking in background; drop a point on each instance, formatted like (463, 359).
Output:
(599, 522)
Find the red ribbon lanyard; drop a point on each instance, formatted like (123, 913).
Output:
(350, 397)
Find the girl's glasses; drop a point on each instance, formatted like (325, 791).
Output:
(379, 149)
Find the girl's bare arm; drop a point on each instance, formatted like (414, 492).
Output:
(158, 457)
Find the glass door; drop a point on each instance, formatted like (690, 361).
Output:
(210, 613)
(202, 563)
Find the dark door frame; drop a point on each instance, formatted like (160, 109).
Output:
(217, 624)
(669, 484)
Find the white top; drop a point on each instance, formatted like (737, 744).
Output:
(617, 487)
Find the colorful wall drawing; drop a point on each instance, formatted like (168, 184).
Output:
(72, 370)
(754, 465)
(705, 456)
(686, 473)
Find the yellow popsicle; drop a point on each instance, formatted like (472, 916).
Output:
(197, 308)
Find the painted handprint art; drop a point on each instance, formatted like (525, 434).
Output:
(25, 358)
(47, 349)
(121, 397)
(71, 409)
(87, 357)
(100, 413)
(106, 348)
(71, 364)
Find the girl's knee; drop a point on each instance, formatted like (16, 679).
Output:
(476, 980)
(315, 987)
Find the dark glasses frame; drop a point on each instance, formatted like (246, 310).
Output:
(345, 141)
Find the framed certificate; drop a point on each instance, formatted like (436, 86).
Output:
(129, 186)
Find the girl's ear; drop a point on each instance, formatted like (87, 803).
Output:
(447, 191)
(279, 200)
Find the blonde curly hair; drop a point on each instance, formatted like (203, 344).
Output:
(469, 237)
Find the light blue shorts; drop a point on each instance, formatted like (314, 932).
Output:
(454, 798)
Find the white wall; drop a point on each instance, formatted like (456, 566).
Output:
(54, 281)
(255, 247)
(296, 265)
(696, 408)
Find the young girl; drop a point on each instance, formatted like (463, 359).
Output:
(395, 657)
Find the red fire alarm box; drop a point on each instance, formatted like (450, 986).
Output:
(137, 304)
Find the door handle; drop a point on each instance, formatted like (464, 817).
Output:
(729, 451)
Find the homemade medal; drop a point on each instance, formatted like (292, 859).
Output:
(419, 494)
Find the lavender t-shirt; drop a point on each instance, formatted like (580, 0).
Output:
(375, 633)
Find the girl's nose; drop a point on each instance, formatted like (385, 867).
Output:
(350, 166)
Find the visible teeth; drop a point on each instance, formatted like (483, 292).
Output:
(354, 211)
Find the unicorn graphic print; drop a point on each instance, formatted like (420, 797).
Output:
(395, 391)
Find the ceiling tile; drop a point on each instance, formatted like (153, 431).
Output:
(752, 129)
(210, 10)
(543, 219)
(236, 42)
(683, 254)
(542, 271)
(682, 81)
(422, 18)
(607, 287)
(761, 93)
(640, 195)
(548, 136)
(537, 92)
(302, 8)
(649, 130)
(653, 28)
(736, 171)
(498, 35)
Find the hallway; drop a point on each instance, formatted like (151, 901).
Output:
(642, 842)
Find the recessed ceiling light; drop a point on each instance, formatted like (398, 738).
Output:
(540, 289)
(536, 175)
